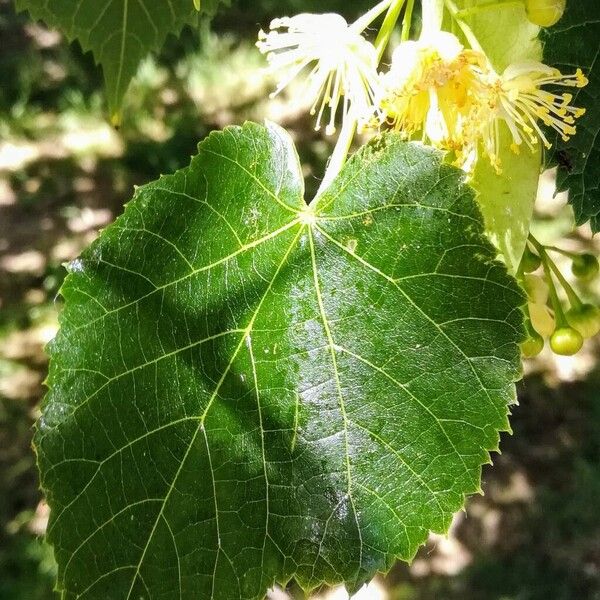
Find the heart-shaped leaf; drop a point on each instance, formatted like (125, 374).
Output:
(245, 389)
(120, 33)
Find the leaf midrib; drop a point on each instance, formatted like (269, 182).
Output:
(200, 427)
(333, 347)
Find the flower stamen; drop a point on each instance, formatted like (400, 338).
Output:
(344, 64)
(518, 98)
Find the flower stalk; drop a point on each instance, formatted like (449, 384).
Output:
(387, 27)
(350, 126)
(407, 21)
(551, 267)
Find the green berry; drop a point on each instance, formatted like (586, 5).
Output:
(532, 346)
(545, 13)
(585, 319)
(566, 341)
(536, 288)
(530, 262)
(585, 267)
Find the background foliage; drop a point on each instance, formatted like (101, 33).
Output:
(64, 173)
(573, 41)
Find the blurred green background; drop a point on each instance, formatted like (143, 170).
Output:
(65, 174)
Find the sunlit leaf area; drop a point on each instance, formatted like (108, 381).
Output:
(337, 371)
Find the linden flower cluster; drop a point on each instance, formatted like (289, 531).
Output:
(435, 87)
(448, 95)
(455, 98)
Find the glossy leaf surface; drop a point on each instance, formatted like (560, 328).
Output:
(245, 390)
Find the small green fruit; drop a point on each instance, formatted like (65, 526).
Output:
(585, 319)
(566, 341)
(530, 262)
(545, 13)
(532, 346)
(585, 267)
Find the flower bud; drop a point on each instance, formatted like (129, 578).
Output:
(545, 13)
(585, 319)
(566, 341)
(533, 345)
(585, 267)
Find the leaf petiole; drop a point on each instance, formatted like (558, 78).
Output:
(467, 31)
(340, 153)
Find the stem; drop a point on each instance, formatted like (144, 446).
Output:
(340, 154)
(467, 31)
(389, 23)
(474, 10)
(566, 253)
(407, 21)
(363, 22)
(549, 268)
(349, 127)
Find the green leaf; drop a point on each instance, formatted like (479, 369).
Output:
(507, 199)
(245, 390)
(572, 43)
(120, 33)
(210, 7)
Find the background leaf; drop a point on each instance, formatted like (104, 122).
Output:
(119, 33)
(572, 43)
(507, 199)
(245, 390)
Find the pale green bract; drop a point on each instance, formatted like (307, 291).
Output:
(244, 390)
(507, 199)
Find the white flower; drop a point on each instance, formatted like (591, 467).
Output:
(519, 99)
(344, 63)
(454, 98)
(434, 87)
